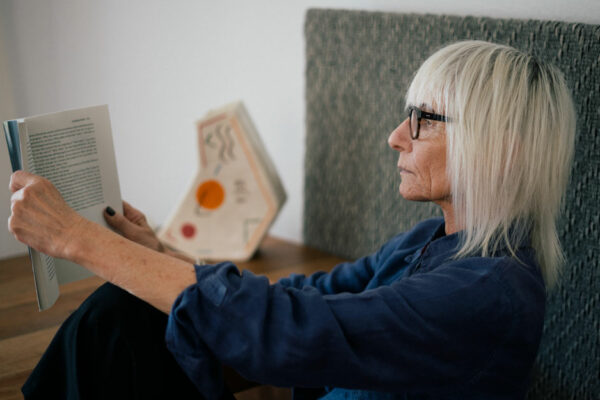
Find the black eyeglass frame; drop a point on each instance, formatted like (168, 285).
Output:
(422, 115)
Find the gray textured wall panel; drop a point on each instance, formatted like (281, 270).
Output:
(359, 65)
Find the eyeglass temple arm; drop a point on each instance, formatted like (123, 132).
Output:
(435, 117)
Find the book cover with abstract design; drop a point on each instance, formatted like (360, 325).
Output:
(235, 195)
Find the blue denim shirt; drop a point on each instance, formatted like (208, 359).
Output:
(407, 322)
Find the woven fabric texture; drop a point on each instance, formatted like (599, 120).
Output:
(358, 67)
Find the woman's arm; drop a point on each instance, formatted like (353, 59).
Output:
(41, 219)
(351, 277)
(444, 331)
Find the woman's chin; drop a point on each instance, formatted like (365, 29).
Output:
(411, 195)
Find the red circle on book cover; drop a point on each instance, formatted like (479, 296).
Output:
(188, 231)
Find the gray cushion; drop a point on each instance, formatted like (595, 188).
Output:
(359, 65)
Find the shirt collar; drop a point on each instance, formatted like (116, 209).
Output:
(441, 247)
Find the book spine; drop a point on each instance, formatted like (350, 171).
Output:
(44, 273)
(11, 134)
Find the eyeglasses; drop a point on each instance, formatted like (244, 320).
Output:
(415, 115)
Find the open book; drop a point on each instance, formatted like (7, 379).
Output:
(74, 150)
(234, 196)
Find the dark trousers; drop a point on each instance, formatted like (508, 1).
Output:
(111, 347)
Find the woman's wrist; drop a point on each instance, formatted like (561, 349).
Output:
(89, 241)
(78, 239)
(178, 255)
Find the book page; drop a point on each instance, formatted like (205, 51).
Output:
(74, 150)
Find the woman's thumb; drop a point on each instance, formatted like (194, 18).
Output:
(118, 222)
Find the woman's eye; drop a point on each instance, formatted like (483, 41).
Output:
(428, 122)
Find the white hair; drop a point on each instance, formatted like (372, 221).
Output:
(509, 143)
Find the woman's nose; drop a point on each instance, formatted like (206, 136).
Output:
(399, 139)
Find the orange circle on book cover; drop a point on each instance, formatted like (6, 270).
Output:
(188, 230)
(210, 194)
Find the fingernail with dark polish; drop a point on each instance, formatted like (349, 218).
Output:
(110, 211)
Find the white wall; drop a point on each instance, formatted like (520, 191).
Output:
(8, 244)
(161, 64)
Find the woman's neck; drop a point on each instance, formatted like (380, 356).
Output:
(449, 216)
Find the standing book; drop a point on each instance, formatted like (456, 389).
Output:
(74, 150)
(235, 195)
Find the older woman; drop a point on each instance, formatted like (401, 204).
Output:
(451, 309)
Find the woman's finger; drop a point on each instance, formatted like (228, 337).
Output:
(135, 230)
(20, 179)
(133, 214)
(119, 223)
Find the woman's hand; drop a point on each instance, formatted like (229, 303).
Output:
(40, 217)
(132, 224)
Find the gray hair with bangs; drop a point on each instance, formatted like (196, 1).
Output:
(510, 145)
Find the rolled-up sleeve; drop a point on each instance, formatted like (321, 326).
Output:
(407, 335)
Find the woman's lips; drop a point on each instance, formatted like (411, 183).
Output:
(403, 170)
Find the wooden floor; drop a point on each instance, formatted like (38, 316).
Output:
(25, 332)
